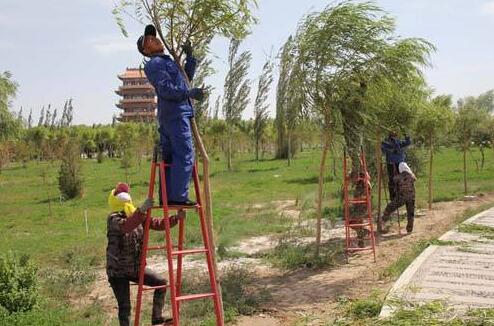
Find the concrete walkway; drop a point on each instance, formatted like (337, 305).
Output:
(460, 274)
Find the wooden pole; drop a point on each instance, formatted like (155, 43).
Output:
(379, 180)
(320, 194)
(431, 156)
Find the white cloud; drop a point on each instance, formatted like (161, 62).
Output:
(107, 45)
(488, 7)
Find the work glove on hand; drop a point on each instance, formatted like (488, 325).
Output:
(197, 93)
(187, 47)
(148, 203)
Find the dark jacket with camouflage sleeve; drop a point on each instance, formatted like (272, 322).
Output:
(125, 242)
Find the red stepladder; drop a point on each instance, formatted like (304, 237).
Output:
(362, 222)
(175, 277)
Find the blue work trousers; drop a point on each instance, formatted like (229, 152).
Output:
(178, 150)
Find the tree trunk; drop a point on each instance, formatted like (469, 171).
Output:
(320, 195)
(465, 187)
(431, 157)
(229, 153)
(378, 155)
(289, 156)
(257, 148)
(483, 159)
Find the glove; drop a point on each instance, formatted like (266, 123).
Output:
(148, 203)
(187, 47)
(196, 93)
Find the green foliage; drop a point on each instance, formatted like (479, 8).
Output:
(70, 180)
(344, 85)
(292, 254)
(241, 293)
(18, 283)
(261, 115)
(483, 230)
(9, 125)
(434, 119)
(397, 267)
(416, 160)
(365, 308)
(237, 91)
(197, 21)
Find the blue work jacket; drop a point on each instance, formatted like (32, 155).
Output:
(170, 86)
(393, 148)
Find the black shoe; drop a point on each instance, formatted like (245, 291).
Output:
(162, 321)
(182, 203)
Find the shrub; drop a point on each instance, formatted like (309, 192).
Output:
(100, 157)
(416, 160)
(18, 283)
(70, 180)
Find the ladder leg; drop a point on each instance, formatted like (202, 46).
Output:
(145, 241)
(169, 247)
(181, 238)
(209, 257)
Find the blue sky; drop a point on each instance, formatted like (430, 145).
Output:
(58, 49)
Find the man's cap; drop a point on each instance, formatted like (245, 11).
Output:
(149, 30)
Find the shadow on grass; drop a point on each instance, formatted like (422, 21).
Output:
(309, 180)
(262, 170)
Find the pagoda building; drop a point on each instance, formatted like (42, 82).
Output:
(138, 101)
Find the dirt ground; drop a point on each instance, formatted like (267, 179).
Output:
(307, 293)
(314, 293)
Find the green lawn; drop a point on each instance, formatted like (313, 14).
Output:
(60, 241)
(27, 227)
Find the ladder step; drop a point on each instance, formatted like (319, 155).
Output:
(366, 238)
(188, 251)
(150, 288)
(358, 225)
(178, 207)
(358, 201)
(360, 249)
(194, 296)
(156, 247)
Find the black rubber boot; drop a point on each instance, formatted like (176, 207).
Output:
(410, 225)
(162, 321)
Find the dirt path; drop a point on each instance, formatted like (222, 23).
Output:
(307, 292)
(313, 293)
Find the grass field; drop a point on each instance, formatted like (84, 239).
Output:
(59, 240)
(27, 227)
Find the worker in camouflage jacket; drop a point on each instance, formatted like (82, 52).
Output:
(405, 182)
(394, 149)
(125, 233)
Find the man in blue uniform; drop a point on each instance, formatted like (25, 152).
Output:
(174, 112)
(394, 149)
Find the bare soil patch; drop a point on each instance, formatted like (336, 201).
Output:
(314, 292)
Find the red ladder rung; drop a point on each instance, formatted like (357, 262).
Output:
(189, 251)
(194, 296)
(155, 247)
(159, 287)
(358, 225)
(367, 238)
(360, 249)
(178, 207)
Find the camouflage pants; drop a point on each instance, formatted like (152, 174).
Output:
(408, 201)
(121, 289)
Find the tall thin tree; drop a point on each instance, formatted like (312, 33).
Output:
(260, 106)
(236, 93)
